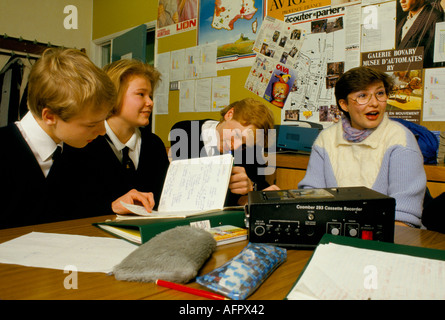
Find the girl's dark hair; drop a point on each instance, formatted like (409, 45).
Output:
(357, 79)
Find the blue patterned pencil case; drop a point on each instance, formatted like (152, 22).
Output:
(240, 277)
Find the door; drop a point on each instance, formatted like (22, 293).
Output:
(130, 45)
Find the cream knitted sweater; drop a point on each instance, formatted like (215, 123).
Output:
(388, 161)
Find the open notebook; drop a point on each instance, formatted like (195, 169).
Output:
(191, 187)
(344, 268)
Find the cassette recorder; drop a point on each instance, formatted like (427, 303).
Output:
(299, 218)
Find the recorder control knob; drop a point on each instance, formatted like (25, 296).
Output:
(353, 232)
(259, 230)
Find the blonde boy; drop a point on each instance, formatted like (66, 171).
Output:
(68, 99)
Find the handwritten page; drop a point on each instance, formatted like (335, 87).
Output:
(64, 251)
(192, 186)
(347, 273)
(196, 184)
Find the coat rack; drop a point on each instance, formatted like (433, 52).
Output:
(22, 47)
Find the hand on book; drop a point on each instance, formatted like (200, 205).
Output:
(239, 181)
(144, 199)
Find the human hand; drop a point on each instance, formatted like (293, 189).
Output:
(239, 181)
(243, 200)
(144, 199)
(272, 188)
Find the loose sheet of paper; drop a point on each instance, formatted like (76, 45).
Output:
(187, 96)
(162, 63)
(344, 272)
(60, 251)
(434, 93)
(220, 92)
(203, 95)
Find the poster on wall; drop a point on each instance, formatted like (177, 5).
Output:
(176, 16)
(343, 34)
(415, 51)
(331, 47)
(233, 25)
(405, 66)
(279, 41)
(280, 9)
(378, 27)
(272, 76)
(416, 27)
(280, 84)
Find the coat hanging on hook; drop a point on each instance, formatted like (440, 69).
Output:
(11, 77)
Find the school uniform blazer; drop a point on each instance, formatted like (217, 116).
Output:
(28, 197)
(104, 178)
(421, 33)
(195, 148)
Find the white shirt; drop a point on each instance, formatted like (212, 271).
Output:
(40, 143)
(210, 137)
(133, 144)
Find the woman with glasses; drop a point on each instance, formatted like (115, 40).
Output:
(368, 149)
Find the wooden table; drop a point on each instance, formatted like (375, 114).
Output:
(19, 282)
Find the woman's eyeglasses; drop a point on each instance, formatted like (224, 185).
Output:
(364, 97)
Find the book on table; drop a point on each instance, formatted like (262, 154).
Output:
(228, 234)
(191, 187)
(194, 193)
(139, 231)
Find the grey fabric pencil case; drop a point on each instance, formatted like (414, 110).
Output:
(174, 255)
